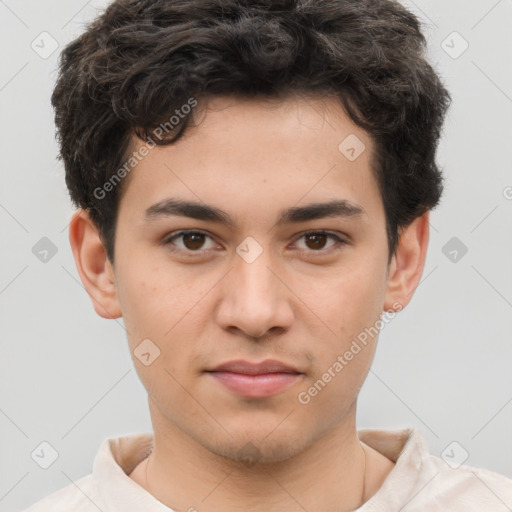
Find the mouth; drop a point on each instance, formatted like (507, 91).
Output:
(255, 380)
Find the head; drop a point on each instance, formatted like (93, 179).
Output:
(255, 111)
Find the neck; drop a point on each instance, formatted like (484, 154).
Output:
(329, 475)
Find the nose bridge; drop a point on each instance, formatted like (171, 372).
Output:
(254, 299)
(253, 279)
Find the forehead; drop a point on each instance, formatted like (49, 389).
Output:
(240, 151)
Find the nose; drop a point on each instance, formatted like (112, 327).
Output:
(255, 298)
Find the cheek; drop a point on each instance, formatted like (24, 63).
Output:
(166, 307)
(366, 298)
(347, 299)
(137, 296)
(351, 308)
(156, 313)
(150, 296)
(350, 304)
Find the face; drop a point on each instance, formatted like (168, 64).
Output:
(277, 282)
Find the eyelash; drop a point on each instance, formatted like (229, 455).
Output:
(168, 241)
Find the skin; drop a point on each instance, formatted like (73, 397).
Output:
(298, 302)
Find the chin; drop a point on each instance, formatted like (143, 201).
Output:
(258, 447)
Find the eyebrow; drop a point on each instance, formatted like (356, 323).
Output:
(201, 211)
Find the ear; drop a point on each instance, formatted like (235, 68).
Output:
(94, 268)
(406, 266)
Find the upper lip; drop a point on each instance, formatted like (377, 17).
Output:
(248, 368)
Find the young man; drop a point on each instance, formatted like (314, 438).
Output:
(254, 182)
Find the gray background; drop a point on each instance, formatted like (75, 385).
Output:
(443, 364)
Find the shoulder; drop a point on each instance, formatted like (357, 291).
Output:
(108, 482)
(79, 496)
(422, 481)
(470, 488)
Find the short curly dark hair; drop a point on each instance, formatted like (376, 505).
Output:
(141, 60)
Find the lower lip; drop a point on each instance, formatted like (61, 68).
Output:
(256, 386)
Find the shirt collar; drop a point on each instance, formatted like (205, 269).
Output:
(407, 448)
(117, 457)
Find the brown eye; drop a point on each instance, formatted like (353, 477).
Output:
(315, 241)
(189, 241)
(193, 241)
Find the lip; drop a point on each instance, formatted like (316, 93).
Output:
(261, 368)
(255, 380)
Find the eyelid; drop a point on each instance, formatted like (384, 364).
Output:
(333, 234)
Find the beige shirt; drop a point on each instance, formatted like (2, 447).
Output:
(419, 481)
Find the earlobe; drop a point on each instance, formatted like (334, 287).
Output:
(406, 266)
(94, 268)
